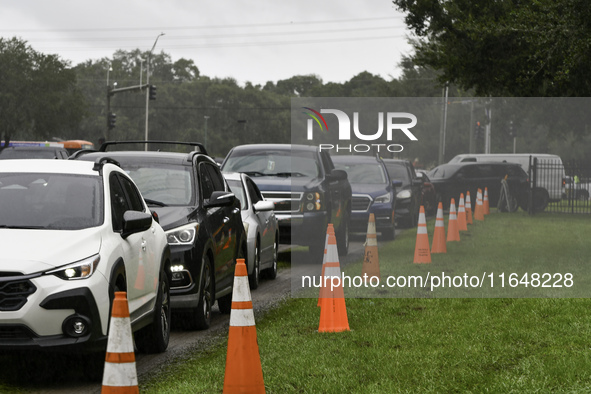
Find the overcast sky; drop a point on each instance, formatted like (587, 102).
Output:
(256, 41)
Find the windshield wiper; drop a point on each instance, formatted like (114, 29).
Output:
(287, 174)
(254, 173)
(154, 202)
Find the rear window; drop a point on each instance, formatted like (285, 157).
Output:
(274, 163)
(367, 173)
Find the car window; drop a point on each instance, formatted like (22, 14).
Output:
(486, 171)
(217, 180)
(205, 182)
(119, 203)
(398, 172)
(253, 192)
(133, 195)
(236, 188)
(50, 201)
(368, 173)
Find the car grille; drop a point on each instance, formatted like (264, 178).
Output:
(15, 333)
(14, 291)
(360, 202)
(285, 202)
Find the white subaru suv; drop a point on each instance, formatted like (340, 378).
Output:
(71, 234)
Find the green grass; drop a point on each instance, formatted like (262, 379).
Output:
(428, 344)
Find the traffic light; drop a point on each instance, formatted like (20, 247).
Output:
(152, 92)
(112, 120)
(512, 132)
(478, 130)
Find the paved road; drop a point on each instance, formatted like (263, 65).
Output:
(50, 373)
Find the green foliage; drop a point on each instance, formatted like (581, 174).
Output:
(39, 96)
(506, 47)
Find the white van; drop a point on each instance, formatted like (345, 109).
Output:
(550, 171)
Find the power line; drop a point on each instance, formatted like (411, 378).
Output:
(171, 28)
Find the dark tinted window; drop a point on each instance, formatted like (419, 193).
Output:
(133, 195)
(205, 181)
(398, 171)
(253, 192)
(119, 203)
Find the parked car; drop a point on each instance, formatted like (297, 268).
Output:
(260, 225)
(550, 172)
(408, 195)
(307, 190)
(201, 218)
(428, 197)
(577, 188)
(450, 180)
(33, 152)
(373, 192)
(71, 234)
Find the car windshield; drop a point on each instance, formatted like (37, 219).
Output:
(50, 201)
(368, 173)
(441, 172)
(274, 163)
(165, 184)
(398, 172)
(238, 190)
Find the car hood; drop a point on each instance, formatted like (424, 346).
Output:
(172, 217)
(30, 251)
(275, 183)
(371, 189)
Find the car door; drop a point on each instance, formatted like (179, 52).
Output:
(264, 221)
(138, 254)
(219, 218)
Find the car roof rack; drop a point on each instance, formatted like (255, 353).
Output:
(199, 145)
(101, 161)
(81, 152)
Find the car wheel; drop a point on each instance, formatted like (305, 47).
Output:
(343, 239)
(254, 277)
(154, 338)
(389, 233)
(271, 273)
(201, 316)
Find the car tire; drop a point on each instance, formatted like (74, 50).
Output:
(343, 238)
(271, 273)
(389, 233)
(200, 318)
(255, 276)
(154, 338)
(225, 304)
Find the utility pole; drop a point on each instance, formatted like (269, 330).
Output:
(148, 90)
(205, 130)
(442, 129)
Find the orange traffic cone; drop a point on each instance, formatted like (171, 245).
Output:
(422, 252)
(120, 374)
(333, 310)
(439, 245)
(462, 223)
(329, 230)
(244, 373)
(479, 211)
(371, 262)
(468, 209)
(453, 232)
(485, 202)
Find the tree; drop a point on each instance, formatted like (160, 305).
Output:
(39, 96)
(504, 47)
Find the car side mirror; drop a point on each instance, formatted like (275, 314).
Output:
(220, 199)
(264, 206)
(135, 222)
(396, 183)
(338, 175)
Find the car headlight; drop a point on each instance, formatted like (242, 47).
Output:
(313, 201)
(383, 199)
(82, 269)
(403, 194)
(184, 235)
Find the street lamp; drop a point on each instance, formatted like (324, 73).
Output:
(108, 102)
(205, 130)
(148, 84)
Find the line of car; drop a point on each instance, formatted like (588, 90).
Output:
(167, 227)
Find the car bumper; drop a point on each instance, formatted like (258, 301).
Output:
(40, 323)
(382, 214)
(186, 270)
(302, 229)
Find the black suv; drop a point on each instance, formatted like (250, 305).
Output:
(200, 216)
(307, 190)
(408, 195)
(452, 179)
